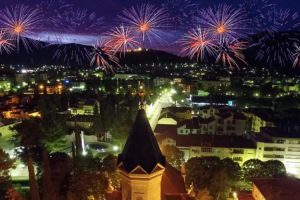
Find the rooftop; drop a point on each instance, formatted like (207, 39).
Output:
(141, 148)
(279, 132)
(276, 188)
(223, 141)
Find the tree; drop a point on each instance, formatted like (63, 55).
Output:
(28, 136)
(199, 171)
(204, 195)
(110, 166)
(61, 166)
(173, 155)
(5, 165)
(233, 169)
(88, 184)
(274, 168)
(53, 125)
(213, 174)
(12, 194)
(253, 168)
(219, 184)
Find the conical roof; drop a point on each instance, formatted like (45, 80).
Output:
(141, 148)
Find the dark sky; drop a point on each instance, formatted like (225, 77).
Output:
(111, 7)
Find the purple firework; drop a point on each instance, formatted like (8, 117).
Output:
(180, 11)
(276, 48)
(259, 13)
(79, 21)
(296, 56)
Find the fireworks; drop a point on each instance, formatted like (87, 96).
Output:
(297, 55)
(180, 11)
(275, 48)
(259, 13)
(103, 56)
(52, 9)
(146, 20)
(224, 22)
(122, 39)
(78, 21)
(230, 52)
(285, 20)
(20, 22)
(73, 54)
(5, 44)
(197, 43)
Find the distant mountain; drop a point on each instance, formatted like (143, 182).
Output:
(78, 55)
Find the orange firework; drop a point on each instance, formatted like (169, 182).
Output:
(20, 22)
(122, 39)
(197, 43)
(5, 44)
(224, 21)
(103, 56)
(147, 20)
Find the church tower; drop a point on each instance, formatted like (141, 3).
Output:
(141, 164)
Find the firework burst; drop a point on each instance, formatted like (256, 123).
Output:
(224, 22)
(5, 44)
(285, 20)
(72, 54)
(197, 43)
(52, 9)
(20, 22)
(146, 20)
(296, 55)
(259, 13)
(180, 11)
(78, 21)
(276, 48)
(103, 56)
(122, 39)
(230, 53)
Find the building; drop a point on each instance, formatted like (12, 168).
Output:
(259, 118)
(145, 175)
(207, 120)
(87, 107)
(238, 148)
(179, 113)
(275, 143)
(276, 189)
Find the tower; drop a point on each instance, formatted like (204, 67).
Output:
(141, 164)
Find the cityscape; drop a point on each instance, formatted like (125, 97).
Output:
(149, 100)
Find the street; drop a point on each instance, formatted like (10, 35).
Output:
(154, 110)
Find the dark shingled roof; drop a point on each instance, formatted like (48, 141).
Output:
(141, 148)
(205, 140)
(279, 188)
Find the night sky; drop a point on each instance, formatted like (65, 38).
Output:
(110, 9)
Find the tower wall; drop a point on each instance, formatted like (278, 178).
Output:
(141, 186)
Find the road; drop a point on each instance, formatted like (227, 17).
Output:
(153, 112)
